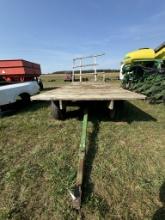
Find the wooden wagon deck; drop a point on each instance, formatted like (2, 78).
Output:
(88, 92)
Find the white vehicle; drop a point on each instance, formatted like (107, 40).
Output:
(11, 93)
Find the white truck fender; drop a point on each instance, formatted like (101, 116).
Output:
(9, 93)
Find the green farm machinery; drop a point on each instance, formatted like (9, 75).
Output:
(144, 60)
(143, 71)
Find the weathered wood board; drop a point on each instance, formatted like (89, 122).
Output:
(88, 92)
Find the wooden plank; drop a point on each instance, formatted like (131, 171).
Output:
(88, 92)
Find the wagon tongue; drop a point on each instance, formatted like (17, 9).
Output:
(76, 191)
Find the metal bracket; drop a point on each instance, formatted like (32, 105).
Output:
(75, 194)
(111, 105)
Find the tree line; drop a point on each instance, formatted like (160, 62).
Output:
(86, 71)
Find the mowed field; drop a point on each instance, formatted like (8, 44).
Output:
(125, 162)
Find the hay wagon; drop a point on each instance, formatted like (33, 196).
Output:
(85, 94)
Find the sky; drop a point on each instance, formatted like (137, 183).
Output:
(53, 32)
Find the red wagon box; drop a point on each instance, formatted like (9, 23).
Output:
(19, 70)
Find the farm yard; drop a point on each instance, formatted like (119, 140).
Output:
(124, 171)
(82, 110)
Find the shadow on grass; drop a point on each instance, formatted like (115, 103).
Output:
(160, 213)
(34, 106)
(94, 200)
(18, 107)
(97, 110)
(49, 88)
(90, 156)
(130, 113)
(126, 112)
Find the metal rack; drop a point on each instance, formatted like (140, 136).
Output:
(79, 63)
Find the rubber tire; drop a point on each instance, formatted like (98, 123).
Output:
(56, 112)
(112, 113)
(25, 99)
(118, 108)
(40, 83)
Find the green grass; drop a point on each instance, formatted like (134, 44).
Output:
(53, 80)
(124, 165)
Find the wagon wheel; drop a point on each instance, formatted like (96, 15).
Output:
(25, 99)
(57, 113)
(40, 83)
(112, 113)
(117, 109)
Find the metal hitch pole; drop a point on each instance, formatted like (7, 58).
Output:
(76, 191)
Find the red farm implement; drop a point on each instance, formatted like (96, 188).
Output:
(14, 71)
